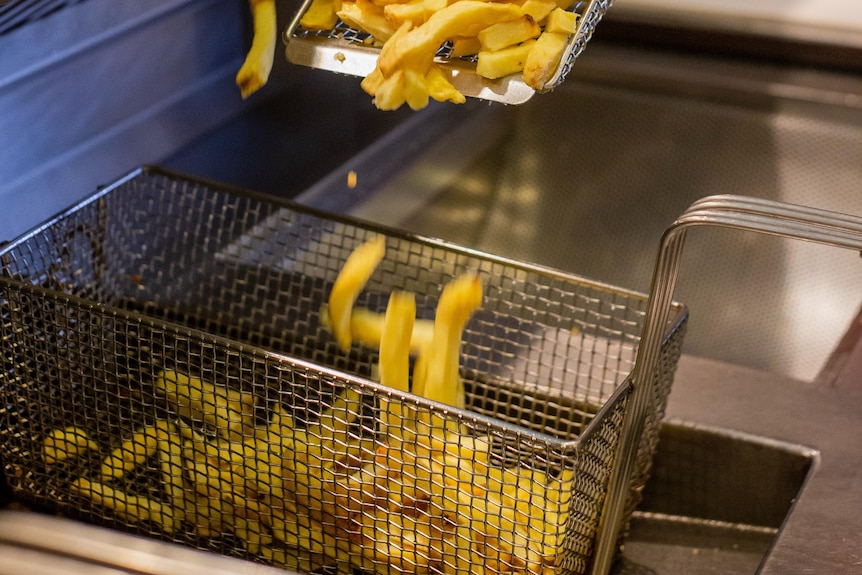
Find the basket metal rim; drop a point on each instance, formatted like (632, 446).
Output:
(397, 233)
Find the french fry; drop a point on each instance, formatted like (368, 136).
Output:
(400, 541)
(255, 70)
(227, 411)
(503, 62)
(396, 340)
(131, 508)
(543, 59)
(465, 46)
(561, 21)
(353, 276)
(367, 16)
(395, 343)
(389, 94)
(211, 516)
(321, 15)
(327, 440)
(415, 89)
(414, 12)
(250, 531)
(416, 48)
(366, 328)
(538, 10)
(440, 87)
(508, 33)
(133, 451)
(460, 298)
(459, 555)
(61, 444)
(372, 82)
(434, 6)
(171, 465)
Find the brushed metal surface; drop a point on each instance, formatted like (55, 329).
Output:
(587, 177)
(41, 544)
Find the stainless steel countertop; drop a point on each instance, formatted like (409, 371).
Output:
(833, 22)
(821, 534)
(32, 543)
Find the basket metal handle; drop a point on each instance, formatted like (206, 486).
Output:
(726, 211)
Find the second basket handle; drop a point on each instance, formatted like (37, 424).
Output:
(726, 211)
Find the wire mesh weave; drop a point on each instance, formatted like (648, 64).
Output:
(162, 274)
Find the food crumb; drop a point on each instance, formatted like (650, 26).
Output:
(340, 56)
(351, 179)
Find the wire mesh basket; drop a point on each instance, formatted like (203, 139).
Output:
(167, 371)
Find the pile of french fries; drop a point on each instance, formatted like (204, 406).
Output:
(414, 491)
(506, 36)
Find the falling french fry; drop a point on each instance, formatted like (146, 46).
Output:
(353, 276)
(460, 298)
(257, 66)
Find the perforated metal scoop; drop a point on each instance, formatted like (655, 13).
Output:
(348, 51)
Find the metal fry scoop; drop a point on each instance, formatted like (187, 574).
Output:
(348, 51)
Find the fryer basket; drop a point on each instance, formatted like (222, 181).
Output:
(160, 271)
(346, 50)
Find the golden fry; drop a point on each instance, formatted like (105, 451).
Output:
(395, 356)
(414, 12)
(509, 33)
(460, 298)
(390, 93)
(538, 10)
(133, 452)
(440, 87)
(255, 70)
(353, 276)
(543, 59)
(395, 341)
(367, 16)
(415, 89)
(561, 21)
(320, 15)
(503, 62)
(416, 48)
(131, 508)
(62, 444)
(227, 411)
(465, 46)
(366, 328)
(171, 465)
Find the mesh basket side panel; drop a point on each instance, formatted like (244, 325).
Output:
(594, 465)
